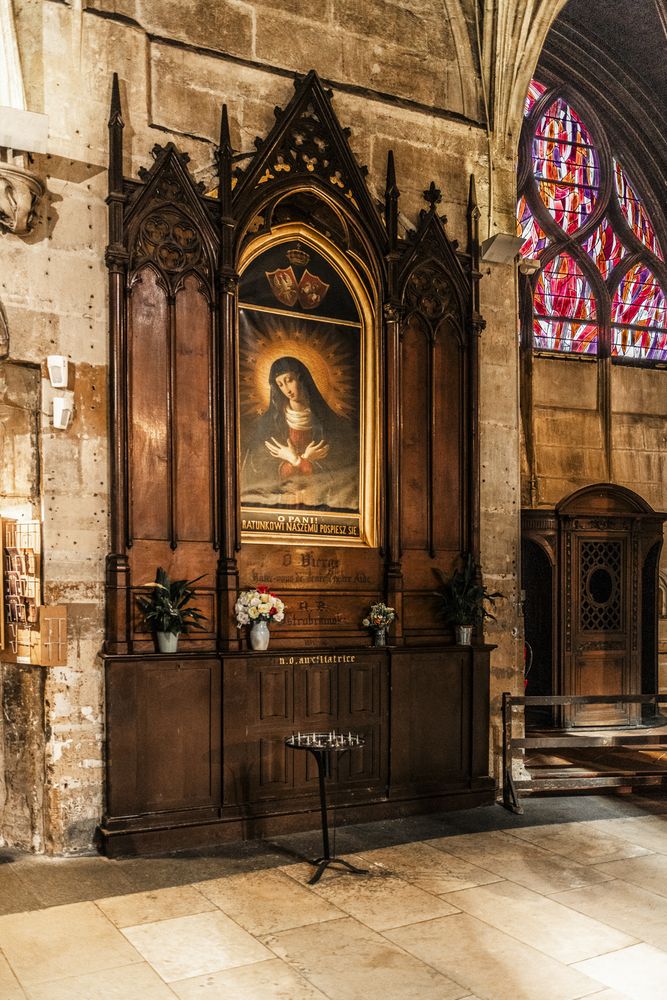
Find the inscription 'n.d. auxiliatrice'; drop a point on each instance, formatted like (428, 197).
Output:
(289, 661)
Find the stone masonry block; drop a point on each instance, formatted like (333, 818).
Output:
(565, 428)
(568, 384)
(639, 390)
(567, 462)
(226, 27)
(391, 69)
(310, 10)
(296, 44)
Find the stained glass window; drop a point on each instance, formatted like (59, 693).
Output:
(634, 211)
(534, 237)
(535, 91)
(638, 317)
(565, 165)
(604, 246)
(569, 203)
(564, 309)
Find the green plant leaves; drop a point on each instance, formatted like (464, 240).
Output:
(462, 597)
(166, 608)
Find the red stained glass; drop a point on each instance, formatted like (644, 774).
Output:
(535, 91)
(604, 246)
(562, 290)
(639, 317)
(568, 338)
(535, 240)
(634, 211)
(564, 309)
(566, 166)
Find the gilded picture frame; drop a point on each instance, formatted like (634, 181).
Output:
(307, 389)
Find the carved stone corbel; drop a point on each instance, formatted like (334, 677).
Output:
(20, 192)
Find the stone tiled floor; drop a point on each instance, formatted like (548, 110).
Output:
(567, 901)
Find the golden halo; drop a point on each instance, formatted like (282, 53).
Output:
(324, 351)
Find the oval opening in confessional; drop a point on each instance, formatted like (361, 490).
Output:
(600, 585)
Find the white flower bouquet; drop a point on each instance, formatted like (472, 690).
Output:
(258, 606)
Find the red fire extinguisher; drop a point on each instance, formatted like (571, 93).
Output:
(527, 662)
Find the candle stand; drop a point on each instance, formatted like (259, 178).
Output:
(324, 747)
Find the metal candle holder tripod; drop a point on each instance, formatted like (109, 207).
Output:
(323, 746)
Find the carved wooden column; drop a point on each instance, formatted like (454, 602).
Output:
(476, 326)
(228, 499)
(393, 573)
(116, 258)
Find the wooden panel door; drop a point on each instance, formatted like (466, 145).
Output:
(598, 623)
(164, 735)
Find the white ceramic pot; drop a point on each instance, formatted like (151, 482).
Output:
(167, 642)
(260, 635)
(464, 635)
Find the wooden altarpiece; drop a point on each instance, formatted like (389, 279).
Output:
(290, 258)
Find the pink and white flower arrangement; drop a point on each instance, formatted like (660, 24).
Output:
(258, 606)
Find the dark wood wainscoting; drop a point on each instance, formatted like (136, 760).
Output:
(196, 743)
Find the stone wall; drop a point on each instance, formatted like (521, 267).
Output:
(406, 77)
(571, 446)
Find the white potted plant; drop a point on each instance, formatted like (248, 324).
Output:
(166, 611)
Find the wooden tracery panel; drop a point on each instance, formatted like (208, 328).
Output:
(193, 415)
(147, 402)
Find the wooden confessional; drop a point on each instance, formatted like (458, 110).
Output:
(590, 576)
(291, 257)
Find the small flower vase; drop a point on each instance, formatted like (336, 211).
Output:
(167, 642)
(260, 635)
(379, 636)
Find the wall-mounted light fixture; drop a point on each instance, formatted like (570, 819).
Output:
(501, 248)
(62, 412)
(57, 366)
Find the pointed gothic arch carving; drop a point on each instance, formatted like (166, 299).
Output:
(175, 256)
(293, 263)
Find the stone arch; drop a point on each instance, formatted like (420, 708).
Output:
(514, 34)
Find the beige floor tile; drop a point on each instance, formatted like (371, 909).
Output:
(521, 862)
(608, 995)
(62, 941)
(58, 881)
(650, 872)
(540, 922)
(645, 831)
(382, 901)
(639, 972)
(489, 962)
(9, 985)
(348, 961)
(133, 982)
(160, 904)
(184, 947)
(273, 980)
(579, 841)
(426, 867)
(268, 901)
(627, 907)
(15, 896)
